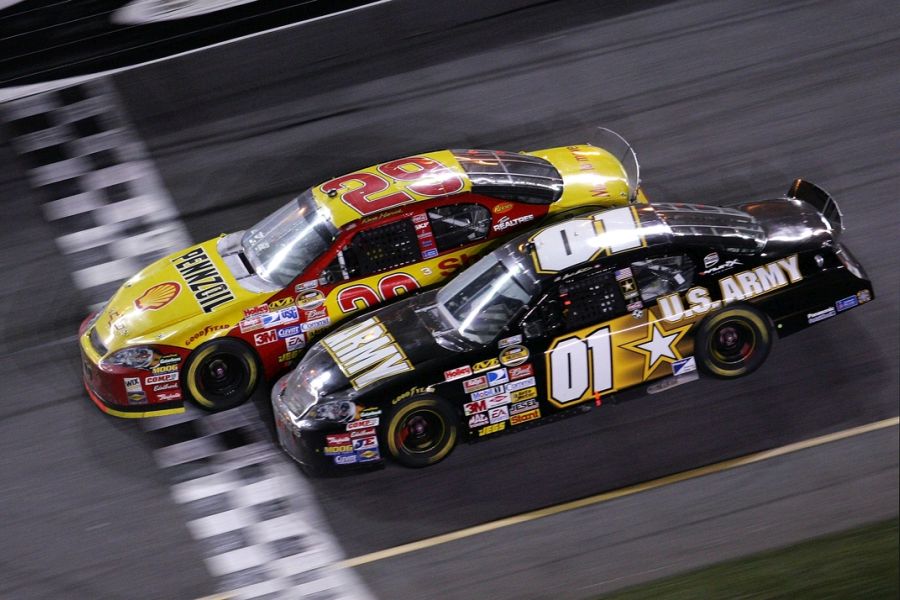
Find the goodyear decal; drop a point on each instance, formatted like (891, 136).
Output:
(203, 278)
(366, 352)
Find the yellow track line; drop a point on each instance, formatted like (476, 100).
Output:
(627, 491)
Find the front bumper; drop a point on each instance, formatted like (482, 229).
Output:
(108, 387)
(320, 445)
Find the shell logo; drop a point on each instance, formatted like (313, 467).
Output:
(158, 296)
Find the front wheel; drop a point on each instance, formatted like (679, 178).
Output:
(221, 374)
(421, 431)
(733, 342)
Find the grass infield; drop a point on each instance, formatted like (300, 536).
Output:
(859, 563)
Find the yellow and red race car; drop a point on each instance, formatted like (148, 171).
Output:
(209, 323)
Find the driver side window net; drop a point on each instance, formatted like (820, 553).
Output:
(458, 224)
(663, 275)
(382, 249)
(592, 299)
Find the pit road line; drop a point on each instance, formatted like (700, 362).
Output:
(620, 493)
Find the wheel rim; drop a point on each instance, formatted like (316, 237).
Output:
(222, 374)
(421, 431)
(733, 343)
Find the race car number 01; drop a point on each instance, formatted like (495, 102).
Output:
(578, 364)
(426, 177)
(565, 245)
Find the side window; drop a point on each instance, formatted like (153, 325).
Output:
(381, 249)
(591, 299)
(663, 275)
(458, 224)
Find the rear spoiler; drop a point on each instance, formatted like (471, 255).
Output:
(820, 200)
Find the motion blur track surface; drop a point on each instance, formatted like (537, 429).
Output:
(723, 102)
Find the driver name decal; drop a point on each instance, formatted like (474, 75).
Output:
(203, 278)
(366, 352)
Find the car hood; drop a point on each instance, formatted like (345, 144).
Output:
(174, 296)
(370, 352)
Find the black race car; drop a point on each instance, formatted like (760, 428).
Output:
(560, 318)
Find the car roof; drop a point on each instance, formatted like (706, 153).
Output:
(565, 176)
(640, 227)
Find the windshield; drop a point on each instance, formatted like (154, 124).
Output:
(480, 302)
(283, 244)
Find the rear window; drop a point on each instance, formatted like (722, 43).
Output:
(511, 176)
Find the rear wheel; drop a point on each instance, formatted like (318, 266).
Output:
(421, 431)
(221, 374)
(733, 342)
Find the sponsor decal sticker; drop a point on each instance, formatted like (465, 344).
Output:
(164, 369)
(165, 386)
(338, 439)
(485, 365)
(725, 266)
(133, 384)
(475, 384)
(310, 299)
(203, 279)
(509, 341)
(345, 459)
(368, 455)
(365, 443)
(316, 324)
(497, 377)
(305, 285)
(295, 343)
(265, 337)
(170, 396)
(521, 384)
(367, 432)
(368, 413)
(521, 371)
(525, 394)
(288, 356)
(495, 428)
(505, 222)
(137, 398)
(282, 303)
(158, 296)
(319, 313)
(457, 373)
(846, 303)
(503, 207)
(686, 365)
(430, 253)
(362, 424)
(251, 324)
(209, 329)
(342, 449)
(513, 356)
(489, 392)
(161, 378)
(531, 415)
(478, 420)
(710, 260)
(525, 406)
(253, 311)
(501, 413)
(820, 315)
(286, 332)
(477, 406)
(282, 316)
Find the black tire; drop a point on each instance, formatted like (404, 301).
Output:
(733, 342)
(221, 374)
(421, 431)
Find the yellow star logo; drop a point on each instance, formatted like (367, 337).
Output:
(659, 345)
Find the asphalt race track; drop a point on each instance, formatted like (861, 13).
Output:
(723, 102)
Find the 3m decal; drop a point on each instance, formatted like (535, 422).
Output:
(477, 406)
(368, 193)
(265, 337)
(366, 352)
(531, 415)
(203, 279)
(457, 373)
(513, 356)
(157, 296)
(575, 241)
